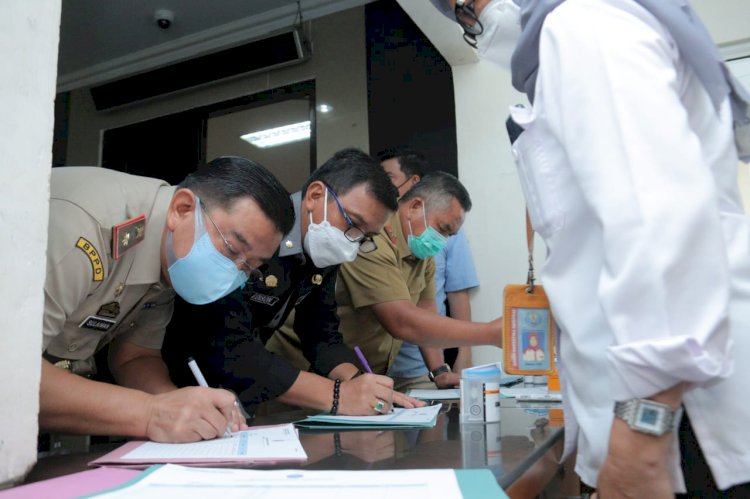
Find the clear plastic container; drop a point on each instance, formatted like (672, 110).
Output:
(480, 394)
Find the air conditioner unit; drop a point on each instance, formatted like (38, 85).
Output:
(278, 50)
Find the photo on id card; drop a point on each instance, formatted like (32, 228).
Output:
(528, 331)
(533, 327)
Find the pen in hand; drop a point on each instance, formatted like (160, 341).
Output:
(362, 359)
(193, 365)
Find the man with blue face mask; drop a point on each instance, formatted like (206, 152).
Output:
(120, 247)
(388, 295)
(340, 208)
(628, 161)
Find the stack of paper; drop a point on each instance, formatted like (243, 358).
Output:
(258, 445)
(187, 483)
(398, 418)
(435, 394)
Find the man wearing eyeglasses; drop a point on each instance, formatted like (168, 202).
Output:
(120, 247)
(339, 209)
(388, 295)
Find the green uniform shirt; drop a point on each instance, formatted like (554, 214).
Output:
(389, 273)
(89, 297)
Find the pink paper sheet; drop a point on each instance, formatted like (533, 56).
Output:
(73, 485)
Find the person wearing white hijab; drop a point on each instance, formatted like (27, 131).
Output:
(628, 160)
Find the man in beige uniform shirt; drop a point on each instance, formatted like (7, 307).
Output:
(119, 247)
(388, 295)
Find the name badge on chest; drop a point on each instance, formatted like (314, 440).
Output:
(97, 323)
(264, 299)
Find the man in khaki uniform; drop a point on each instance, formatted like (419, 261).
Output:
(388, 295)
(390, 273)
(118, 245)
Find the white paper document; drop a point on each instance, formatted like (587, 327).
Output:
(270, 442)
(515, 391)
(262, 444)
(434, 394)
(418, 416)
(188, 483)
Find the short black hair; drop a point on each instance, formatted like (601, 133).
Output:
(349, 168)
(226, 179)
(411, 162)
(437, 189)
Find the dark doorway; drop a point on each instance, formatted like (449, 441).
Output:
(410, 88)
(168, 148)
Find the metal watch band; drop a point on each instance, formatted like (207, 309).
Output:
(631, 410)
(444, 368)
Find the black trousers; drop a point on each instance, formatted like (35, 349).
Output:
(698, 478)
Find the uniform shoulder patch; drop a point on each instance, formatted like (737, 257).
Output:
(127, 234)
(96, 262)
(389, 231)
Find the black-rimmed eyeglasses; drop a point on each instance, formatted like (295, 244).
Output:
(469, 21)
(354, 233)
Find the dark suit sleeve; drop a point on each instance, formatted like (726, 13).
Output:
(317, 326)
(229, 350)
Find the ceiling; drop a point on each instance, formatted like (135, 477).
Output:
(105, 40)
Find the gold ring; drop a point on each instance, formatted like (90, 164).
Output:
(379, 406)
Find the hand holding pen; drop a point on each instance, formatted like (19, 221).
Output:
(396, 397)
(238, 414)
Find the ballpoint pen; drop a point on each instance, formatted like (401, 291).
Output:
(193, 365)
(362, 359)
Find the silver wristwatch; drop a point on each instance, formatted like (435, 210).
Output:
(647, 416)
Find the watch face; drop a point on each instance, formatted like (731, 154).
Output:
(650, 419)
(649, 416)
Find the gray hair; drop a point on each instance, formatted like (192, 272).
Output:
(438, 189)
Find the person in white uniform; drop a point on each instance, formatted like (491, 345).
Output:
(628, 161)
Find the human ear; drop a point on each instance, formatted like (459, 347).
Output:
(416, 204)
(182, 206)
(315, 191)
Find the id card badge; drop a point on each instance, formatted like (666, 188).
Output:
(528, 331)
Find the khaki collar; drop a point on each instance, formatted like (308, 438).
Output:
(146, 266)
(394, 233)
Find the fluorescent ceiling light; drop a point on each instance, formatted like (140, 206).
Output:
(278, 136)
(325, 108)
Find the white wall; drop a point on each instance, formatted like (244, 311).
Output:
(338, 66)
(496, 225)
(726, 20)
(29, 34)
(741, 70)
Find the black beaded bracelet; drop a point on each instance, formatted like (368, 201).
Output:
(336, 391)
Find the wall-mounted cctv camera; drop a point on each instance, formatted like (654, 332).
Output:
(164, 18)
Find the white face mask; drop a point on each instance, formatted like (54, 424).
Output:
(327, 245)
(501, 20)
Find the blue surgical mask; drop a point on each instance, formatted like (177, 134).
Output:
(203, 275)
(427, 244)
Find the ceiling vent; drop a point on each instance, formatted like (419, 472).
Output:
(275, 51)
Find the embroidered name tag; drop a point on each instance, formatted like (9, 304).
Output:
(264, 299)
(97, 323)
